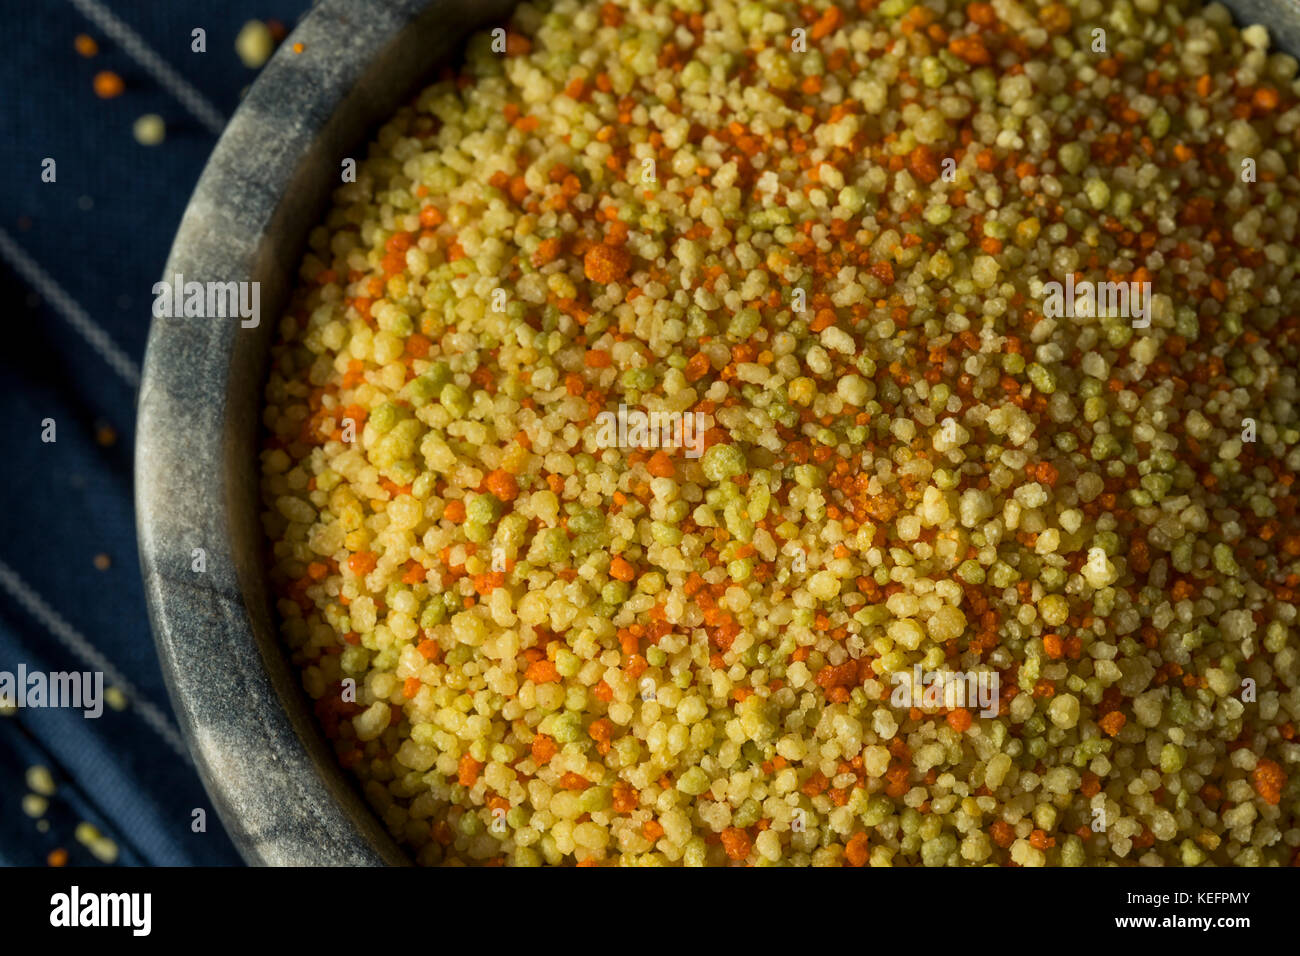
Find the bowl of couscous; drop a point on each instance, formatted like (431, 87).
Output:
(753, 433)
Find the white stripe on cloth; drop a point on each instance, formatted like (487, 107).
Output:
(75, 642)
(67, 307)
(142, 53)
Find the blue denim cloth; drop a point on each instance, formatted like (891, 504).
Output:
(101, 233)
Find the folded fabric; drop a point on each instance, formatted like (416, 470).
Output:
(88, 208)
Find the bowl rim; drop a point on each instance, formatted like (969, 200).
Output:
(272, 778)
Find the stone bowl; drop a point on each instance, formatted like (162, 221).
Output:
(272, 777)
(268, 769)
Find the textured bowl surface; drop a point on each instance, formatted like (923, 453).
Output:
(1282, 17)
(272, 778)
(271, 775)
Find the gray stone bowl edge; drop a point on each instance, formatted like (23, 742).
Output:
(272, 777)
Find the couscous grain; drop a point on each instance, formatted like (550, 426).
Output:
(830, 232)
